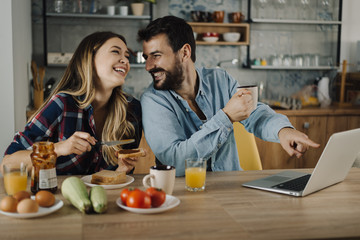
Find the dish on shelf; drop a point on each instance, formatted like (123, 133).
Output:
(210, 39)
(210, 36)
(231, 36)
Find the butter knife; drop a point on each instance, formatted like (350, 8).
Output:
(112, 143)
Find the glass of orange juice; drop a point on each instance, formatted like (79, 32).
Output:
(15, 177)
(195, 174)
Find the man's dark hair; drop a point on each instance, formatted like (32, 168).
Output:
(178, 31)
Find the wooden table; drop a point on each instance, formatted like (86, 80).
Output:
(225, 210)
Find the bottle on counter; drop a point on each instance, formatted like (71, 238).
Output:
(43, 175)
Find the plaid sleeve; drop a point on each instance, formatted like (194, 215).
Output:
(41, 128)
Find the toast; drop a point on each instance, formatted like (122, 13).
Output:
(128, 153)
(107, 177)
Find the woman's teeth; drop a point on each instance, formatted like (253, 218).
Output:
(119, 70)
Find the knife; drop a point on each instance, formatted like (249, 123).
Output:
(112, 143)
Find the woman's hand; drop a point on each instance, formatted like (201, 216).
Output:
(78, 143)
(127, 164)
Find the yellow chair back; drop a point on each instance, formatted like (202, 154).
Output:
(247, 149)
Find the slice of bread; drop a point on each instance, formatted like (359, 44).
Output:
(128, 153)
(107, 177)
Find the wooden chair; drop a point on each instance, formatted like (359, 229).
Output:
(247, 149)
(144, 164)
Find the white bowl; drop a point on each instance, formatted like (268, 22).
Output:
(231, 36)
(210, 39)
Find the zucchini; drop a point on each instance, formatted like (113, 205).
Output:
(98, 199)
(74, 190)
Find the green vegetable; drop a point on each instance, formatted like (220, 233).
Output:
(98, 199)
(74, 190)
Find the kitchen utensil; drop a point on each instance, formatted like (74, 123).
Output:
(41, 77)
(112, 143)
(35, 74)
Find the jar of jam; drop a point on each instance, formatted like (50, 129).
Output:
(43, 175)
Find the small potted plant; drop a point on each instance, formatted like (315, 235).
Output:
(137, 6)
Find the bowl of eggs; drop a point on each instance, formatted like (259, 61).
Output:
(231, 36)
(210, 37)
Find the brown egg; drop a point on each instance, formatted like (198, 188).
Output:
(27, 206)
(21, 195)
(8, 204)
(45, 198)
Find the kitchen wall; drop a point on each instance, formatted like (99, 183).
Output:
(277, 83)
(350, 33)
(15, 44)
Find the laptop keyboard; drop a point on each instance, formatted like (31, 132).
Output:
(297, 184)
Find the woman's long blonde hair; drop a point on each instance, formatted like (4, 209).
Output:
(78, 81)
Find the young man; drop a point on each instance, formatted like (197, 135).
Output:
(189, 112)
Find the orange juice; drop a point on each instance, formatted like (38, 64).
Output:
(195, 177)
(15, 182)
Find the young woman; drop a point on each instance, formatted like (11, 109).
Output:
(86, 107)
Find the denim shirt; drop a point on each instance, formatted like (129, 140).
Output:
(174, 132)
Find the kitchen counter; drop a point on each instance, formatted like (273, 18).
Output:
(225, 210)
(317, 111)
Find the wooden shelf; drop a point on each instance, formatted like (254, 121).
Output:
(202, 27)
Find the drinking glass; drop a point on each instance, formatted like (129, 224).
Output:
(324, 10)
(304, 9)
(261, 6)
(15, 177)
(280, 6)
(195, 174)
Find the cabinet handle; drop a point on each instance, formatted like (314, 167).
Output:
(306, 125)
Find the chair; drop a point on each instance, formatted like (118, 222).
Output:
(247, 149)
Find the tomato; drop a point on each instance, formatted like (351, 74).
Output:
(125, 193)
(138, 199)
(157, 195)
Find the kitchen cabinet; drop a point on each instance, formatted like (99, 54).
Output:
(319, 125)
(58, 26)
(294, 36)
(202, 27)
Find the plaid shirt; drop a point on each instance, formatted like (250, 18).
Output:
(59, 120)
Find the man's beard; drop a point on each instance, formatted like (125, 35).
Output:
(173, 79)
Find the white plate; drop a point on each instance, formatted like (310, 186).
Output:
(169, 203)
(87, 181)
(41, 212)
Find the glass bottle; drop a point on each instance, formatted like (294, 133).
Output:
(43, 175)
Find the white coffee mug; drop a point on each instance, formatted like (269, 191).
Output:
(254, 93)
(124, 10)
(161, 176)
(111, 10)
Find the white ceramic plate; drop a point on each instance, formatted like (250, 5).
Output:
(169, 203)
(87, 181)
(41, 212)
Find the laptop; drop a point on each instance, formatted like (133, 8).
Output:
(334, 164)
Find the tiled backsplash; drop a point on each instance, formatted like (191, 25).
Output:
(276, 82)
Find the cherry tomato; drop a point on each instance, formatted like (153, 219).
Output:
(157, 195)
(138, 199)
(125, 193)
